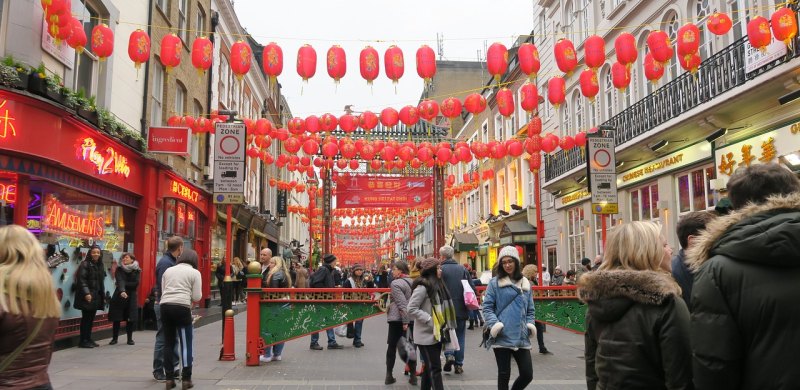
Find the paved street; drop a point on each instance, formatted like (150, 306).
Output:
(129, 367)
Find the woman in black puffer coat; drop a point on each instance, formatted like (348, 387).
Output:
(90, 293)
(124, 304)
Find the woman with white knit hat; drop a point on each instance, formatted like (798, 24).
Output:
(508, 310)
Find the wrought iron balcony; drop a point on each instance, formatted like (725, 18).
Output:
(716, 75)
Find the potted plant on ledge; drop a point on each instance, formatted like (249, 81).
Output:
(86, 108)
(56, 91)
(22, 73)
(37, 81)
(8, 76)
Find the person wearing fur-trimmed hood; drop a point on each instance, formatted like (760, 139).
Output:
(509, 314)
(637, 324)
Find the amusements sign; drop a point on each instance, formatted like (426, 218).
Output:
(361, 191)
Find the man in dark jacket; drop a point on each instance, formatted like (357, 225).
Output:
(452, 275)
(689, 226)
(744, 323)
(323, 278)
(170, 258)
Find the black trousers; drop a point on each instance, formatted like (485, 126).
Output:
(395, 333)
(524, 363)
(540, 335)
(177, 323)
(129, 326)
(432, 375)
(87, 320)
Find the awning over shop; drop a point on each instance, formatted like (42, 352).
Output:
(517, 232)
(463, 242)
(222, 218)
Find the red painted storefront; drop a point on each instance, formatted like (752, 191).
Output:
(82, 186)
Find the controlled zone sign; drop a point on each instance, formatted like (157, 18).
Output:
(602, 166)
(229, 163)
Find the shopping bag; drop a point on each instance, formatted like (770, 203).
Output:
(470, 299)
(406, 348)
(451, 342)
(340, 330)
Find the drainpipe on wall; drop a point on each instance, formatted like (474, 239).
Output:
(143, 121)
(214, 23)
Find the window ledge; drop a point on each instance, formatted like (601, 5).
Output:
(164, 14)
(616, 10)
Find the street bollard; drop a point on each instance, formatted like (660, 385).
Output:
(228, 341)
(253, 313)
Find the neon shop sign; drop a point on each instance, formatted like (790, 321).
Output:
(106, 161)
(8, 193)
(184, 191)
(62, 219)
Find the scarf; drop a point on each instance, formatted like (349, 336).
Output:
(443, 313)
(131, 267)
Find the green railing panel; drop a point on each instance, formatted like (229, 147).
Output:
(286, 321)
(566, 313)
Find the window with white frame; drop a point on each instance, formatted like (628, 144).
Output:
(519, 113)
(513, 182)
(501, 191)
(542, 29)
(183, 23)
(644, 203)
(485, 131)
(702, 11)
(613, 4)
(611, 222)
(194, 148)
(200, 23)
(583, 20)
(552, 257)
(740, 15)
(570, 22)
(157, 95)
(672, 31)
(180, 99)
(646, 86)
(487, 200)
(694, 189)
(566, 118)
(510, 127)
(498, 127)
(577, 104)
(531, 185)
(223, 80)
(610, 95)
(86, 63)
(576, 236)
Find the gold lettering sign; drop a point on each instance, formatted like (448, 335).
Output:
(184, 191)
(654, 167)
(577, 195)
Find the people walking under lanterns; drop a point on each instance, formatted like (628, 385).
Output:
(90, 293)
(744, 320)
(181, 286)
(278, 277)
(433, 313)
(633, 301)
(358, 279)
(509, 313)
(452, 275)
(29, 311)
(529, 272)
(170, 259)
(399, 320)
(124, 304)
(323, 278)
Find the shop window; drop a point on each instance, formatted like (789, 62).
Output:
(644, 203)
(180, 219)
(611, 222)
(156, 108)
(169, 217)
(576, 236)
(86, 72)
(8, 198)
(694, 190)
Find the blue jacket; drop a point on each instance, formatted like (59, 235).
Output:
(166, 261)
(452, 275)
(517, 317)
(682, 275)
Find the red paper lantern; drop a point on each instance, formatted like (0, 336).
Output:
(310, 147)
(424, 154)
(515, 148)
(535, 162)
(77, 39)
(428, 109)
(426, 63)
(368, 120)
(498, 150)
(594, 49)
(409, 115)
(253, 152)
(389, 117)
(688, 41)
(337, 63)
(463, 154)
(139, 48)
(589, 85)
(660, 48)
(533, 144)
(625, 47)
(348, 123)
(475, 103)
(556, 91)
(620, 76)
(406, 153)
(443, 155)
(354, 164)
(566, 59)
(784, 25)
(653, 70)
(375, 165)
(312, 124)
(528, 56)
(328, 122)
(281, 134)
(567, 143)
(505, 102)
(368, 64)
(102, 41)
(535, 126)
(306, 62)
(367, 152)
(272, 60)
(241, 59)
(549, 145)
(497, 60)
(388, 153)
(451, 107)
(758, 33)
(393, 63)
(202, 54)
(297, 126)
(580, 139)
(690, 63)
(529, 97)
(330, 149)
(719, 23)
(341, 163)
(292, 145)
(171, 49)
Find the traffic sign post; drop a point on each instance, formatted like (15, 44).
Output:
(602, 172)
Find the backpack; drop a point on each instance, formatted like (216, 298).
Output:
(317, 279)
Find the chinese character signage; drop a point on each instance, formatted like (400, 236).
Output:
(761, 149)
(282, 203)
(7, 129)
(363, 191)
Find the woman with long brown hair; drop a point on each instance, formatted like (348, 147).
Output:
(278, 277)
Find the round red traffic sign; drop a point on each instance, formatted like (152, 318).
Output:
(229, 145)
(601, 158)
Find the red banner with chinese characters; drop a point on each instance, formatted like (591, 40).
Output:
(367, 191)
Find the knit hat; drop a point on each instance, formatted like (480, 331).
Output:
(356, 267)
(428, 264)
(329, 258)
(508, 251)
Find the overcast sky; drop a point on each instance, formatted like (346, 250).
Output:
(353, 24)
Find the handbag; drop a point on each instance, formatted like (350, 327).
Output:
(351, 330)
(406, 348)
(487, 335)
(340, 330)
(470, 299)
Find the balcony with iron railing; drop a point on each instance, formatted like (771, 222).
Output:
(720, 73)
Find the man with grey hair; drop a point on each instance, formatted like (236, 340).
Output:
(452, 275)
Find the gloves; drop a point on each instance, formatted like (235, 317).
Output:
(496, 328)
(532, 329)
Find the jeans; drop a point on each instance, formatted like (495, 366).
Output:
(276, 349)
(158, 351)
(87, 320)
(461, 334)
(540, 335)
(358, 326)
(432, 375)
(177, 321)
(329, 333)
(524, 363)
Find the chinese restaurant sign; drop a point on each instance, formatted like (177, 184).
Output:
(681, 158)
(362, 191)
(760, 149)
(62, 219)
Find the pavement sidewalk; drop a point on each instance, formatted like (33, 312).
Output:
(122, 366)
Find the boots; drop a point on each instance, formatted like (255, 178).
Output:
(389, 378)
(471, 324)
(186, 384)
(412, 379)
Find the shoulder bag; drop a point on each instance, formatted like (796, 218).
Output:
(487, 336)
